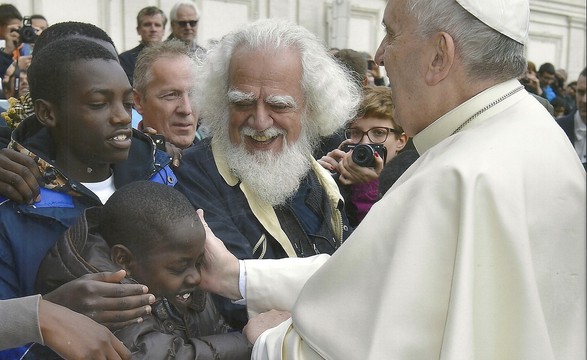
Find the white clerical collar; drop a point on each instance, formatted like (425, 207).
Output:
(102, 189)
(451, 122)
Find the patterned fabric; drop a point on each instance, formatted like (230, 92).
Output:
(52, 178)
(19, 109)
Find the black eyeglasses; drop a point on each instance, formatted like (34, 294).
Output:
(182, 23)
(376, 135)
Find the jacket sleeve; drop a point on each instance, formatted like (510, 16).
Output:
(147, 342)
(19, 321)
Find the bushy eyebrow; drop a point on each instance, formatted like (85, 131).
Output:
(236, 96)
(281, 101)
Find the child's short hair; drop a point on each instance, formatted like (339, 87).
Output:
(141, 213)
(49, 74)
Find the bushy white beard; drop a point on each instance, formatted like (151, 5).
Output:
(273, 177)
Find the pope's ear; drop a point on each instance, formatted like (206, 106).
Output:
(45, 112)
(443, 57)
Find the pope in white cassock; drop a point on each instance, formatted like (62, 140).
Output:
(477, 251)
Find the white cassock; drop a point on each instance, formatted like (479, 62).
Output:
(477, 252)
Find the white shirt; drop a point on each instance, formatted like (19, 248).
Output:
(102, 189)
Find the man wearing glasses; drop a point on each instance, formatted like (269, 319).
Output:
(184, 18)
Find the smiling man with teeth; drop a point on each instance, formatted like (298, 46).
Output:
(81, 140)
(266, 109)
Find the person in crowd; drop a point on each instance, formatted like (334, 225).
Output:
(10, 22)
(21, 106)
(82, 144)
(159, 241)
(530, 78)
(151, 23)
(163, 81)
(15, 82)
(39, 23)
(574, 123)
(456, 261)
(374, 76)
(569, 94)
(374, 126)
(559, 106)
(69, 334)
(354, 62)
(265, 109)
(184, 17)
(532, 84)
(546, 76)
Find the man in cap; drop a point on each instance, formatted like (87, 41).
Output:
(477, 251)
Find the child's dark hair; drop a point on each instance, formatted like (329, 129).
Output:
(70, 28)
(49, 75)
(141, 213)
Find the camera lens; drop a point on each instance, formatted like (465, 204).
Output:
(28, 35)
(364, 155)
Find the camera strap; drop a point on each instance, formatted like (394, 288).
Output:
(16, 75)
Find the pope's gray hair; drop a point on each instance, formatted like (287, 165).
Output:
(486, 53)
(330, 95)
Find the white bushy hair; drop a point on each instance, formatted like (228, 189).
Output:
(331, 96)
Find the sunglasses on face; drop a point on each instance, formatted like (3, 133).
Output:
(182, 23)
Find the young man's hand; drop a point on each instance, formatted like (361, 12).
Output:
(102, 298)
(19, 177)
(75, 336)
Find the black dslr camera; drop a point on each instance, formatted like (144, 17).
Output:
(28, 34)
(364, 154)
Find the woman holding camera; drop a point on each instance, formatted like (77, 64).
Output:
(372, 140)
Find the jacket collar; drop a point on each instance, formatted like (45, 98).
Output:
(33, 139)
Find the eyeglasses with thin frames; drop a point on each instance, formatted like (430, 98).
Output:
(182, 23)
(376, 135)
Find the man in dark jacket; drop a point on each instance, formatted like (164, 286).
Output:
(84, 148)
(151, 23)
(256, 180)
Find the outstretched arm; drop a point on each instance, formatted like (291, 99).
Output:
(71, 335)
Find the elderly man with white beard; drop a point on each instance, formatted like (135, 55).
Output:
(266, 95)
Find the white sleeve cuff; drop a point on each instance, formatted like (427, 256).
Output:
(242, 283)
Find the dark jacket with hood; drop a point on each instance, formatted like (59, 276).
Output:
(27, 232)
(200, 333)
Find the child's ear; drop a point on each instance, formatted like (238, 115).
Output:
(123, 257)
(45, 112)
